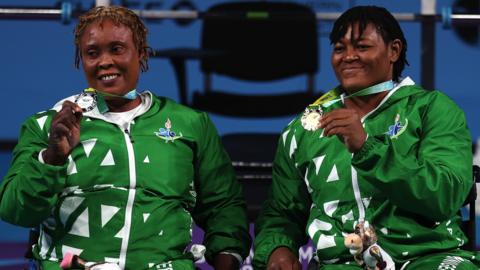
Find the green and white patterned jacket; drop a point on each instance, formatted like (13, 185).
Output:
(409, 180)
(128, 197)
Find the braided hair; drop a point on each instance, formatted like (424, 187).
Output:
(119, 15)
(386, 25)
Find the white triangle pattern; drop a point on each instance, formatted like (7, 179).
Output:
(366, 201)
(284, 136)
(325, 241)
(333, 176)
(318, 225)
(330, 207)
(72, 167)
(88, 145)
(41, 121)
(69, 205)
(318, 163)
(310, 190)
(145, 216)
(108, 212)
(146, 160)
(120, 233)
(81, 227)
(108, 160)
(293, 146)
(75, 251)
(347, 216)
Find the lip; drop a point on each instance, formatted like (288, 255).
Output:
(105, 82)
(349, 67)
(105, 77)
(351, 70)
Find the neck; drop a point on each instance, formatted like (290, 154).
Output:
(365, 104)
(367, 99)
(122, 105)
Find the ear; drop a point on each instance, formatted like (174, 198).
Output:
(395, 48)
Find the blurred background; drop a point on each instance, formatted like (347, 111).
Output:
(37, 67)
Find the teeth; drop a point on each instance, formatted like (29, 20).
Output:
(109, 77)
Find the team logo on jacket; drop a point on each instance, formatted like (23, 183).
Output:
(166, 133)
(397, 128)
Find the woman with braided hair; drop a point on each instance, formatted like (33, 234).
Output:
(115, 178)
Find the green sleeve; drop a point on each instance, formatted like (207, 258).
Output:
(220, 208)
(282, 220)
(29, 190)
(434, 178)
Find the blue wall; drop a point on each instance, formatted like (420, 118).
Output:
(37, 63)
(37, 68)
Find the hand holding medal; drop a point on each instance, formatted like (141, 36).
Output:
(314, 112)
(64, 134)
(328, 113)
(346, 124)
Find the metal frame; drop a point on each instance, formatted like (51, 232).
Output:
(427, 18)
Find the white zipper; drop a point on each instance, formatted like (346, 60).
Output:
(358, 196)
(356, 187)
(131, 196)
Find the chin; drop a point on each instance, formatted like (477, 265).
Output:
(352, 87)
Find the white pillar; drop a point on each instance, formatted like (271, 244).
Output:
(428, 7)
(102, 3)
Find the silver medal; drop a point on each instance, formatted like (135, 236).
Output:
(87, 101)
(311, 119)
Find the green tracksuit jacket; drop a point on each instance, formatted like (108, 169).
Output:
(128, 197)
(409, 180)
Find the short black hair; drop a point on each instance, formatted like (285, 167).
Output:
(119, 15)
(385, 23)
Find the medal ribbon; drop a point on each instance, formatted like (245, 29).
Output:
(332, 96)
(102, 105)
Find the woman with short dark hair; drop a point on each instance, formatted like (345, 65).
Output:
(375, 171)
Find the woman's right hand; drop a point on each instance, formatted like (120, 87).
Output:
(64, 134)
(283, 259)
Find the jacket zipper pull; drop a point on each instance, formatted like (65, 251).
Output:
(129, 135)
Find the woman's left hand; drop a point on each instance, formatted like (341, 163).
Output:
(225, 262)
(346, 124)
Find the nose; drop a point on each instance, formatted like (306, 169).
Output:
(106, 61)
(350, 54)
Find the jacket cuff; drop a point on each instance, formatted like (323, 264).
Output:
(226, 245)
(48, 175)
(363, 154)
(265, 247)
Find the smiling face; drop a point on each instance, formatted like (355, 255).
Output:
(363, 61)
(110, 60)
